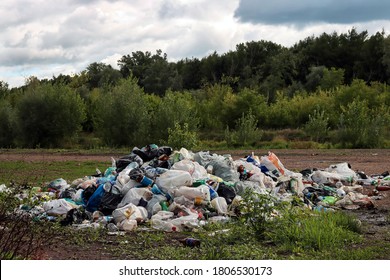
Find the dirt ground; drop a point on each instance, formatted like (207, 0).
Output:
(374, 161)
(371, 161)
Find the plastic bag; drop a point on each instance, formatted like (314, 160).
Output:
(226, 192)
(202, 191)
(173, 179)
(58, 207)
(134, 196)
(326, 178)
(94, 201)
(110, 200)
(220, 205)
(195, 169)
(131, 212)
(163, 215)
(225, 169)
(127, 225)
(58, 184)
(347, 175)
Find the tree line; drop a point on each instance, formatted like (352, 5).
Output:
(331, 88)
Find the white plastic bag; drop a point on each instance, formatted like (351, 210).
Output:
(173, 179)
(166, 226)
(324, 177)
(134, 195)
(131, 212)
(127, 225)
(195, 169)
(162, 215)
(202, 191)
(220, 205)
(347, 175)
(58, 207)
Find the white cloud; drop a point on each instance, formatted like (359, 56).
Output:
(46, 38)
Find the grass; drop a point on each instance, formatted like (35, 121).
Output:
(316, 231)
(230, 241)
(38, 173)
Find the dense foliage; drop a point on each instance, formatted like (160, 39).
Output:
(328, 89)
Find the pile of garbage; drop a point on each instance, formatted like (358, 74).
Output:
(181, 190)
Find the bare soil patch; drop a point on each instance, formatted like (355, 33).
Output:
(371, 161)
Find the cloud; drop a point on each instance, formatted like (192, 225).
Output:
(42, 38)
(304, 12)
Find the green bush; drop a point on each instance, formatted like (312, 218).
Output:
(123, 117)
(6, 125)
(174, 107)
(48, 115)
(257, 210)
(362, 127)
(318, 126)
(181, 136)
(246, 132)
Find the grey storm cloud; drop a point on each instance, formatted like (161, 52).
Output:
(300, 12)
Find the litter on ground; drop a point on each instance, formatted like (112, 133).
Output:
(181, 190)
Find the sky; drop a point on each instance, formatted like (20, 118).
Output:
(47, 38)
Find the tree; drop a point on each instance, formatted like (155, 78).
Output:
(386, 58)
(4, 90)
(318, 126)
(101, 75)
(123, 118)
(332, 78)
(246, 132)
(48, 115)
(175, 108)
(362, 127)
(153, 72)
(6, 125)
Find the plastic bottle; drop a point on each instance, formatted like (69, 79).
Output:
(199, 201)
(213, 193)
(112, 227)
(128, 225)
(220, 205)
(155, 189)
(163, 225)
(164, 205)
(190, 242)
(143, 180)
(340, 192)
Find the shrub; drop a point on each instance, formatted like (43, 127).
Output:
(317, 126)
(180, 136)
(246, 132)
(174, 107)
(257, 211)
(361, 127)
(21, 237)
(47, 115)
(6, 125)
(123, 116)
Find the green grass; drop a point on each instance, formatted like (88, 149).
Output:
(38, 173)
(317, 232)
(230, 241)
